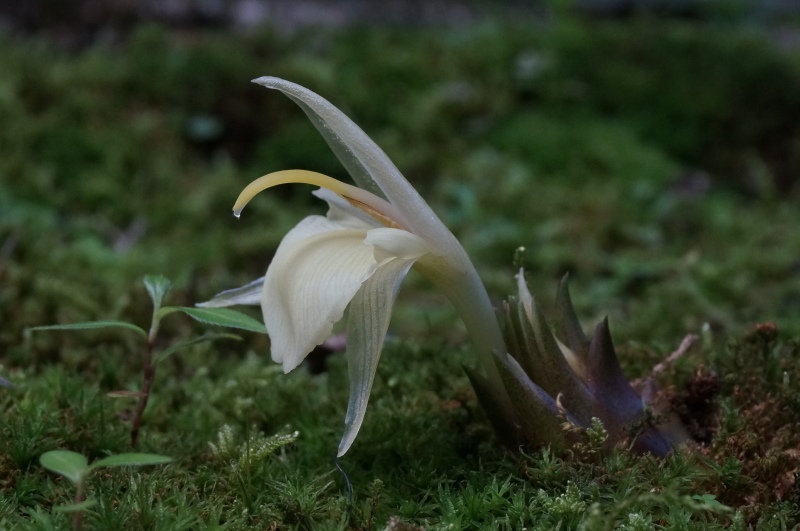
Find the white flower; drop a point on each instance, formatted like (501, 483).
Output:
(357, 255)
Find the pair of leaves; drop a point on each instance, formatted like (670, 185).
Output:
(75, 467)
(157, 287)
(213, 316)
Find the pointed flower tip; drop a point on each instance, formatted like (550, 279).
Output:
(347, 440)
(344, 445)
(272, 82)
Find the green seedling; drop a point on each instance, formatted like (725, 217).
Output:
(157, 287)
(76, 468)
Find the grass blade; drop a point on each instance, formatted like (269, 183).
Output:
(89, 325)
(132, 459)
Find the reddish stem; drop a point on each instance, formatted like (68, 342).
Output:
(77, 518)
(149, 375)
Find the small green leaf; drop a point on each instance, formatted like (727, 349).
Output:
(157, 286)
(90, 325)
(711, 503)
(219, 317)
(186, 344)
(71, 465)
(75, 507)
(132, 459)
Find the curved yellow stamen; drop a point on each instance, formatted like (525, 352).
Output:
(373, 205)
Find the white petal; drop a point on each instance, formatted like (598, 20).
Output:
(313, 225)
(308, 285)
(391, 243)
(247, 294)
(367, 322)
(340, 211)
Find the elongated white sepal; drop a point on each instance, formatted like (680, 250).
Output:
(369, 166)
(348, 142)
(247, 294)
(367, 323)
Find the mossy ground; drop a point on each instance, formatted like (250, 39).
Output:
(655, 161)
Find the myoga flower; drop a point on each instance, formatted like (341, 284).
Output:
(357, 256)
(576, 383)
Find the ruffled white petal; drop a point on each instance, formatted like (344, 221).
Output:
(247, 294)
(313, 225)
(308, 285)
(341, 215)
(367, 322)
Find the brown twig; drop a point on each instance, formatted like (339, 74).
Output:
(683, 348)
(645, 386)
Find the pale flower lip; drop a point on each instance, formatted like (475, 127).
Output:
(356, 256)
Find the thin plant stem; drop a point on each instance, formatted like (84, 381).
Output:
(77, 518)
(149, 375)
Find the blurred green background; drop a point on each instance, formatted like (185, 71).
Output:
(649, 148)
(655, 158)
